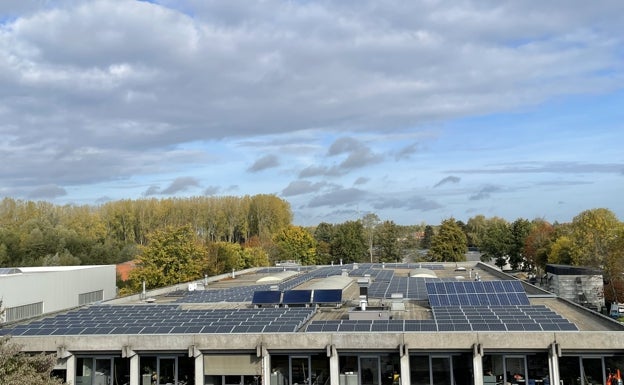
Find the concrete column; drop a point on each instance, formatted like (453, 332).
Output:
(71, 369)
(405, 365)
(266, 366)
(199, 369)
(477, 363)
(334, 366)
(134, 370)
(553, 363)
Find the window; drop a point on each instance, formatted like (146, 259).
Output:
(25, 311)
(94, 296)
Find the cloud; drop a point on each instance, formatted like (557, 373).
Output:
(47, 192)
(484, 193)
(448, 179)
(151, 190)
(312, 171)
(340, 196)
(361, 180)
(300, 187)
(358, 154)
(211, 190)
(413, 203)
(180, 184)
(360, 158)
(344, 145)
(177, 185)
(407, 151)
(264, 163)
(548, 167)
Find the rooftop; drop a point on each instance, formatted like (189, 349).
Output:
(470, 297)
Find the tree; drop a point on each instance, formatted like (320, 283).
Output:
(562, 251)
(475, 228)
(18, 368)
(449, 244)
(296, 243)
(324, 233)
(172, 255)
(389, 247)
(428, 234)
(370, 222)
(496, 242)
(592, 234)
(520, 229)
(348, 243)
(537, 243)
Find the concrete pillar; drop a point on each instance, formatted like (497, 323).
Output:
(266, 366)
(405, 365)
(553, 363)
(477, 363)
(134, 370)
(199, 369)
(334, 365)
(71, 370)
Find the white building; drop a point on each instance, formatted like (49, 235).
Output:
(32, 291)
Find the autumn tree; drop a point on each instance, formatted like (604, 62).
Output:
(592, 233)
(296, 243)
(537, 243)
(172, 255)
(449, 244)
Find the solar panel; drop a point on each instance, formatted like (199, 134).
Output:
(297, 297)
(266, 297)
(327, 296)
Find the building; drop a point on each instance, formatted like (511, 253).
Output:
(583, 285)
(33, 291)
(319, 327)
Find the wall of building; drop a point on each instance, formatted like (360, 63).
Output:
(586, 290)
(58, 288)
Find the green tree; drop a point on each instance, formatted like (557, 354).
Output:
(18, 368)
(475, 229)
(324, 233)
(389, 246)
(428, 233)
(296, 243)
(172, 255)
(449, 244)
(520, 229)
(349, 243)
(496, 241)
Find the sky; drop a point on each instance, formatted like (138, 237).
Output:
(416, 111)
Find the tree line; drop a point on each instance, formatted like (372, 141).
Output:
(179, 239)
(41, 233)
(594, 238)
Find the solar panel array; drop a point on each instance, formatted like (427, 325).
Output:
(165, 319)
(297, 297)
(500, 318)
(412, 288)
(465, 319)
(476, 293)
